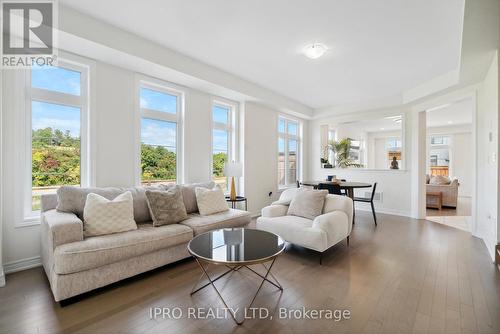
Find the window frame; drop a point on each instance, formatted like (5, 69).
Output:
(82, 102)
(286, 137)
(231, 127)
(178, 118)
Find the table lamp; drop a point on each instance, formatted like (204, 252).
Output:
(233, 169)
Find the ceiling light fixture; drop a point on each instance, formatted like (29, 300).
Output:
(314, 51)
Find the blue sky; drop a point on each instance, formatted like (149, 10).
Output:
(159, 133)
(45, 115)
(220, 141)
(56, 79)
(292, 145)
(220, 114)
(159, 101)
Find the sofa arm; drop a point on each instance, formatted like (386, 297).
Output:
(274, 211)
(61, 228)
(334, 223)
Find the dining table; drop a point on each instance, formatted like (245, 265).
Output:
(348, 186)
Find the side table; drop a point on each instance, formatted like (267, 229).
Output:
(238, 199)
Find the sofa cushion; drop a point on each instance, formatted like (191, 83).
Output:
(210, 201)
(98, 251)
(189, 194)
(103, 216)
(307, 203)
(296, 230)
(439, 180)
(231, 218)
(166, 206)
(72, 199)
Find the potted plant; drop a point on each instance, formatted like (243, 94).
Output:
(342, 151)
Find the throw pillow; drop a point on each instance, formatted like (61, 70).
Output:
(307, 203)
(166, 207)
(103, 216)
(210, 201)
(72, 199)
(439, 180)
(189, 194)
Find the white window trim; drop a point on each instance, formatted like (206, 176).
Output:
(286, 137)
(167, 88)
(87, 126)
(231, 128)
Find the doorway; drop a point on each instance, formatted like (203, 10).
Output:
(450, 163)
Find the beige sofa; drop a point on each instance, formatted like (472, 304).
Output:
(449, 191)
(75, 264)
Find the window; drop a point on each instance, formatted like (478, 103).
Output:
(223, 141)
(440, 140)
(288, 151)
(393, 149)
(57, 104)
(160, 133)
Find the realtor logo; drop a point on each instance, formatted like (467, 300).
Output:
(28, 33)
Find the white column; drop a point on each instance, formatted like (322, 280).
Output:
(418, 161)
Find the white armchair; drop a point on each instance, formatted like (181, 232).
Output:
(326, 230)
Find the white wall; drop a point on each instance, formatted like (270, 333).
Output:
(487, 158)
(462, 162)
(261, 162)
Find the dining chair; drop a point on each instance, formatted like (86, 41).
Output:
(343, 191)
(332, 188)
(369, 200)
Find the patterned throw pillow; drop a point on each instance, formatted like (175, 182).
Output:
(210, 201)
(307, 203)
(103, 216)
(166, 207)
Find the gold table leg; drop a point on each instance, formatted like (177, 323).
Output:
(211, 282)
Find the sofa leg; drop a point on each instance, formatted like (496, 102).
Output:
(347, 240)
(321, 258)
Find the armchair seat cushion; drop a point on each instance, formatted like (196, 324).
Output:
(296, 230)
(98, 251)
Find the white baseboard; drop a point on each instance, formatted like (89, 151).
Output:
(31, 262)
(2, 277)
(386, 211)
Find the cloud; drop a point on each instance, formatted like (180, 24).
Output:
(54, 123)
(158, 133)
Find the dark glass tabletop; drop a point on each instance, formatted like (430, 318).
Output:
(236, 246)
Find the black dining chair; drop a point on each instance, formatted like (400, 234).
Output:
(369, 200)
(332, 188)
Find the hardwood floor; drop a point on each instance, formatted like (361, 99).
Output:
(403, 276)
(464, 208)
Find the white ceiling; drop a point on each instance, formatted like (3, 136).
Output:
(378, 49)
(457, 113)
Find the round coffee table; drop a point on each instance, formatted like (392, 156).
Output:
(236, 248)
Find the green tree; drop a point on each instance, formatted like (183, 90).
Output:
(55, 158)
(158, 163)
(219, 159)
